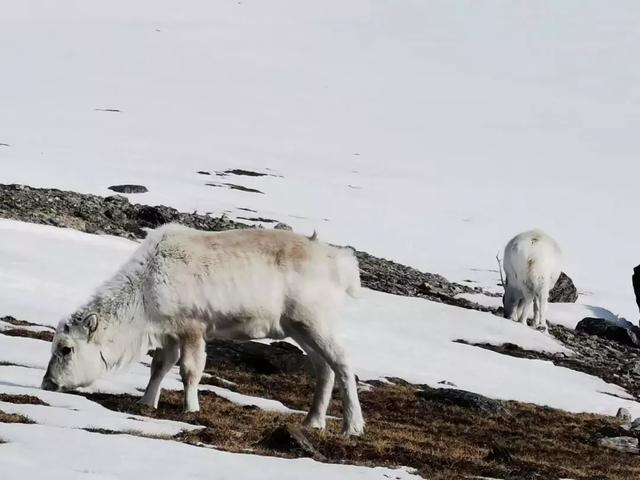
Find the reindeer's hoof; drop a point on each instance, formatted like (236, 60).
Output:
(314, 422)
(354, 430)
(148, 403)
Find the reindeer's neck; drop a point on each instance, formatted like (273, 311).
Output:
(122, 329)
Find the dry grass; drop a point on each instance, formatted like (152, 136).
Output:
(440, 441)
(13, 418)
(24, 399)
(37, 335)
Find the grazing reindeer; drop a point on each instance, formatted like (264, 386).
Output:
(532, 266)
(183, 286)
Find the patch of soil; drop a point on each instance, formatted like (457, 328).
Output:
(23, 399)
(20, 332)
(13, 418)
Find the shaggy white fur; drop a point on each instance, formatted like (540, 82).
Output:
(532, 264)
(183, 286)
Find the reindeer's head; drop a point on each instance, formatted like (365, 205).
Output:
(76, 359)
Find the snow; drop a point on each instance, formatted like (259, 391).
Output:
(429, 132)
(33, 452)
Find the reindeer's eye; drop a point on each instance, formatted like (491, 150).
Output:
(66, 351)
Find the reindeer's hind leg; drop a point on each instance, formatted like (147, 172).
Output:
(163, 360)
(324, 380)
(542, 300)
(520, 312)
(313, 333)
(192, 362)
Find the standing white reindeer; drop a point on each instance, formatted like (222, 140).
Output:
(532, 265)
(183, 286)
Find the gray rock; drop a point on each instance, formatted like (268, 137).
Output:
(127, 188)
(601, 328)
(624, 415)
(635, 425)
(462, 398)
(564, 291)
(622, 444)
(282, 226)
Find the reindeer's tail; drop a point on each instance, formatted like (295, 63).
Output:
(348, 271)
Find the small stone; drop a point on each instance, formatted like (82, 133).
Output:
(282, 226)
(624, 415)
(622, 444)
(127, 188)
(447, 383)
(287, 438)
(635, 425)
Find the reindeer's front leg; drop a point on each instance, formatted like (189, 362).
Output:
(192, 361)
(163, 360)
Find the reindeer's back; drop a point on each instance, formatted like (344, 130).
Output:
(532, 257)
(242, 269)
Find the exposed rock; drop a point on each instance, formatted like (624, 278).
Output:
(622, 444)
(564, 291)
(258, 219)
(203, 172)
(242, 172)
(624, 415)
(290, 439)
(601, 328)
(234, 186)
(127, 188)
(463, 398)
(447, 383)
(278, 357)
(635, 425)
(152, 217)
(635, 281)
(282, 226)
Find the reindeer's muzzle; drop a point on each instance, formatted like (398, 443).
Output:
(48, 384)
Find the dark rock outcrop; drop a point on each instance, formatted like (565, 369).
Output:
(635, 281)
(127, 188)
(277, 357)
(564, 291)
(463, 398)
(601, 328)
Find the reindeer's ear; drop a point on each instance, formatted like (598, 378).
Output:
(90, 322)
